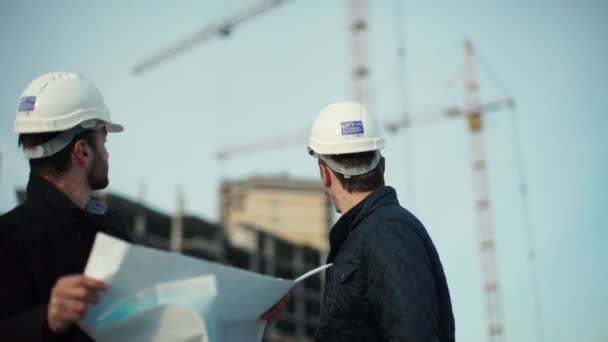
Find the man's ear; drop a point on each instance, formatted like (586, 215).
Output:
(81, 153)
(325, 175)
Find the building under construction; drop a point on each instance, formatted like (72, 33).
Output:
(295, 210)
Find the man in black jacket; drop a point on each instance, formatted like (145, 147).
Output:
(386, 282)
(62, 123)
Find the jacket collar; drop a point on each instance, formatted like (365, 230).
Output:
(43, 192)
(351, 219)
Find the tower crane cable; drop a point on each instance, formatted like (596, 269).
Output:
(435, 58)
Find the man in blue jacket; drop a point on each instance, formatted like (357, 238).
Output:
(386, 282)
(62, 122)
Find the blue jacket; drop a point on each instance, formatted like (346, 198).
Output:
(387, 282)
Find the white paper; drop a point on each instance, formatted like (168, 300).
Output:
(171, 323)
(150, 291)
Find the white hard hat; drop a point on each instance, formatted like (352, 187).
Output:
(60, 102)
(344, 128)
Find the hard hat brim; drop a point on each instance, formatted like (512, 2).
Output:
(114, 127)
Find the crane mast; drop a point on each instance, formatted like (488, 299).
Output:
(481, 200)
(358, 36)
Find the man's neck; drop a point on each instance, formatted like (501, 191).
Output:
(73, 186)
(346, 201)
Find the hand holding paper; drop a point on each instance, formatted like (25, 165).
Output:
(152, 292)
(69, 298)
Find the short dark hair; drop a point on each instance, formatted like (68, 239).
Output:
(370, 181)
(58, 163)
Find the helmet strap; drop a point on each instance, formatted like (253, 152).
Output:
(348, 172)
(59, 142)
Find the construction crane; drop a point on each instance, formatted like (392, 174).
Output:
(224, 27)
(392, 126)
(473, 111)
(485, 224)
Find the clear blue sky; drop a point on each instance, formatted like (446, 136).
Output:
(274, 74)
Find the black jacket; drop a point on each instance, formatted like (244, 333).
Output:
(387, 282)
(41, 240)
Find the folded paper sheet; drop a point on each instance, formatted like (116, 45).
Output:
(155, 295)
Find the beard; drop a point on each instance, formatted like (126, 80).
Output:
(98, 175)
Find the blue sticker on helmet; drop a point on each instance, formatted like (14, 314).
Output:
(352, 127)
(27, 103)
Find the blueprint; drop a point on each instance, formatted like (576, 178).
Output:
(155, 295)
